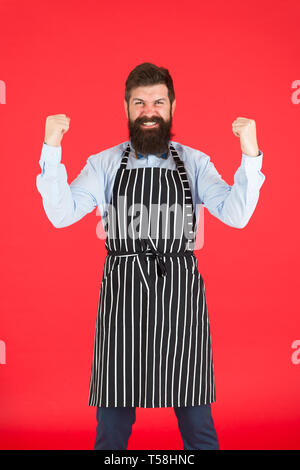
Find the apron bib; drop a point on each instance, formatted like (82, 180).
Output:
(152, 344)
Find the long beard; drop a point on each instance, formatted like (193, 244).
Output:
(154, 141)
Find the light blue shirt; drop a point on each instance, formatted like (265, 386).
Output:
(65, 203)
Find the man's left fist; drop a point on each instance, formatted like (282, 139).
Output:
(245, 129)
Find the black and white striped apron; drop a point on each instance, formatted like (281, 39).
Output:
(152, 345)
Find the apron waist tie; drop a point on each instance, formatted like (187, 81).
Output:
(150, 249)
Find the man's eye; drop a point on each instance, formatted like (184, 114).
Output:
(158, 102)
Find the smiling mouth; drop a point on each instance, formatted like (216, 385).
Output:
(149, 125)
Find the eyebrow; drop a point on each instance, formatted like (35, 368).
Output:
(140, 99)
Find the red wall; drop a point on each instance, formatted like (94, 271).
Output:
(227, 59)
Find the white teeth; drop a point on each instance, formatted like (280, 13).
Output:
(149, 123)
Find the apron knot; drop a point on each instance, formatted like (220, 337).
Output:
(161, 264)
(149, 244)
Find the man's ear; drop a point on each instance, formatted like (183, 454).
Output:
(173, 107)
(126, 108)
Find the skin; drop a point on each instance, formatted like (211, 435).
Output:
(245, 129)
(150, 106)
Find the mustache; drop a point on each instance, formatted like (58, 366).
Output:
(139, 121)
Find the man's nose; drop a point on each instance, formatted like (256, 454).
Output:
(149, 110)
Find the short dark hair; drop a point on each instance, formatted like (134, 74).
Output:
(149, 74)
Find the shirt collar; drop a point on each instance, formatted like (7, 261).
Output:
(161, 155)
(141, 155)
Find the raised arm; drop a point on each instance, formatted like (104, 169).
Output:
(65, 204)
(233, 205)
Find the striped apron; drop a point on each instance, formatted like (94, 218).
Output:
(152, 344)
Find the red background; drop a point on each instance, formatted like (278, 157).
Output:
(227, 59)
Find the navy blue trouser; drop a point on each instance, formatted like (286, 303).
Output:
(195, 424)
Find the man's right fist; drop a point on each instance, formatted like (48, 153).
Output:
(56, 126)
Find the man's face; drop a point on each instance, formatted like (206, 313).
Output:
(150, 104)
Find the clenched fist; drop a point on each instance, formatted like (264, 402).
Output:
(245, 129)
(56, 126)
